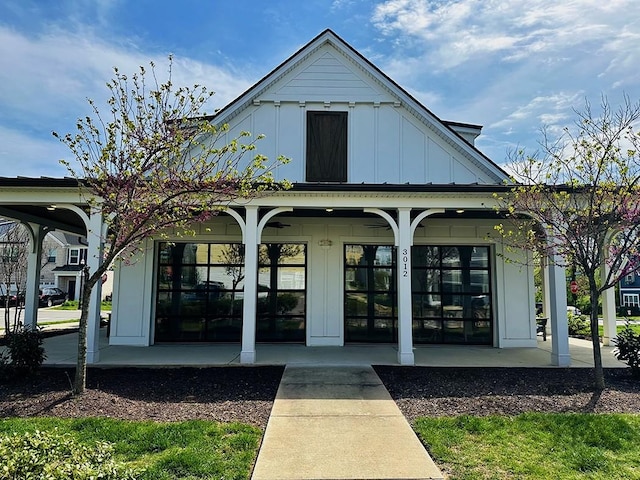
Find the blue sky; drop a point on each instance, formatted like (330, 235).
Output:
(509, 65)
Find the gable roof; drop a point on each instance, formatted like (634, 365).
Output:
(445, 130)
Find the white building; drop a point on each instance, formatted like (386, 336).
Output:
(387, 235)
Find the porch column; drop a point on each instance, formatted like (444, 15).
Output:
(94, 261)
(560, 355)
(405, 313)
(34, 266)
(544, 290)
(608, 309)
(248, 352)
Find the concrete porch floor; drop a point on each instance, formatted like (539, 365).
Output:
(62, 350)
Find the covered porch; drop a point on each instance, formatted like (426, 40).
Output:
(62, 350)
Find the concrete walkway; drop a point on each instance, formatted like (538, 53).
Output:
(339, 422)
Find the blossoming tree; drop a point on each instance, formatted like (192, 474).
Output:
(578, 199)
(155, 162)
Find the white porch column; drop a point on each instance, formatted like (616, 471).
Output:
(94, 260)
(405, 314)
(545, 289)
(34, 265)
(248, 352)
(560, 355)
(608, 309)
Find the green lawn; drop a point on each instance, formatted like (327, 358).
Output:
(535, 446)
(73, 305)
(183, 450)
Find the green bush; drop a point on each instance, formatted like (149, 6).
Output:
(628, 348)
(26, 350)
(53, 456)
(578, 324)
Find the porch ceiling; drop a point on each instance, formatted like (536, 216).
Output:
(55, 219)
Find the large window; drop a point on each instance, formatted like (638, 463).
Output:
(281, 293)
(326, 147)
(370, 293)
(200, 292)
(451, 294)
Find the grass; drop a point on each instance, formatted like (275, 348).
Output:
(182, 450)
(73, 305)
(534, 446)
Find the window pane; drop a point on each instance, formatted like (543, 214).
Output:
(424, 256)
(384, 305)
(356, 279)
(426, 280)
(479, 281)
(356, 304)
(226, 253)
(427, 306)
(291, 303)
(281, 253)
(292, 254)
(353, 254)
(480, 257)
(291, 278)
(427, 331)
(452, 281)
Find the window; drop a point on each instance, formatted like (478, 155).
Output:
(326, 147)
(77, 256)
(451, 294)
(281, 308)
(631, 300)
(370, 297)
(630, 278)
(51, 255)
(200, 292)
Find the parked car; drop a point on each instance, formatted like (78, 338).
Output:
(15, 298)
(51, 296)
(575, 311)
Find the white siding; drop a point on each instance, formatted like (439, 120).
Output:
(386, 141)
(513, 310)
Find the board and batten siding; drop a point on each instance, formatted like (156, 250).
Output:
(385, 144)
(386, 141)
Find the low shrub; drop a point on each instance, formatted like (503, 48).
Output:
(57, 456)
(25, 350)
(578, 324)
(628, 348)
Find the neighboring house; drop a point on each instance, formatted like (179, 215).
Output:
(387, 235)
(66, 261)
(630, 293)
(63, 257)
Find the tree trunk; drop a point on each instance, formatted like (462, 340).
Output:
(80, 381)
(595, 340)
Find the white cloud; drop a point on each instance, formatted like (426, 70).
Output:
(453, 32)
(46, 80)
(512, 66)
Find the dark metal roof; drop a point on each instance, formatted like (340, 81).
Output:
(68, 268)
(38, 182)
(401, 187)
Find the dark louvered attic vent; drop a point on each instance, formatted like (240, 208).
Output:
(326, 147)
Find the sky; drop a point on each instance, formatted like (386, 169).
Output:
(512, 66)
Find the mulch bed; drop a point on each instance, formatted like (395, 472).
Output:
(430, 391)
(246, 393)
(225, 394)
